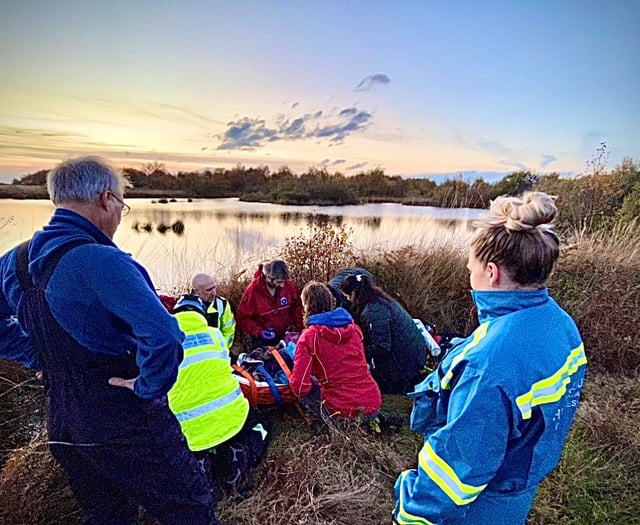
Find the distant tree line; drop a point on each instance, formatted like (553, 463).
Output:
(594, 200)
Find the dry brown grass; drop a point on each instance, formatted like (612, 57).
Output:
(20, 407)
(347, 476)
(597, 479)
(342, 476)
(34, 489)
(432, 284)
(597, 281)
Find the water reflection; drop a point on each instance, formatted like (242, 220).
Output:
(371, 222)
(147, 227)
(225, 236)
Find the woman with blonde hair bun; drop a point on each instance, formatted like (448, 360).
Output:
(497, 411)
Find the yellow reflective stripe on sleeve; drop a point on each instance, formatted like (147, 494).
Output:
(444, 476)
(404, 517)
(478, 335)
(553, 388)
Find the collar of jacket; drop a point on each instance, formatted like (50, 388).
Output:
(65, 226)
(334, 318)
(190, 321)
(492, 304)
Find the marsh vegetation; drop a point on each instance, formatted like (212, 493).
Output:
(346, 476)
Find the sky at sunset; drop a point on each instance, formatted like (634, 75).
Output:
(477, 88)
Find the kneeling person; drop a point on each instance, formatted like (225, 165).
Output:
(330, 348)
(218, 310)
(206, 399)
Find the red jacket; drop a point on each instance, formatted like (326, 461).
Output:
(259, 310)
(335, 356)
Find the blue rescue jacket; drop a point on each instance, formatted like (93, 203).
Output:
(495, 414)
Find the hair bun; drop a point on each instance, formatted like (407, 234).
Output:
(520, 214)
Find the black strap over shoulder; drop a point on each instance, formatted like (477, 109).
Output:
(22, 262)
(22, 265)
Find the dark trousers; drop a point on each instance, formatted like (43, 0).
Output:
(118, 450)
(155, 470)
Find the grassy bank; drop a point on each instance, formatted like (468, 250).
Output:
(346, 477)
(28, 191)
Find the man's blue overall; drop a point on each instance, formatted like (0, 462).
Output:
(118, 450)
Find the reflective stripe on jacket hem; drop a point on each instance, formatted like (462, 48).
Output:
(209, 407)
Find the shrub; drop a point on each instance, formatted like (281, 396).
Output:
(293, 197)
(431, 284)
(318, 253)
(595, 201)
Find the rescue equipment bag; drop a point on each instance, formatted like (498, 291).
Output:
(263, 375)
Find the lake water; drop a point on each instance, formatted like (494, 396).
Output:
(226, 236)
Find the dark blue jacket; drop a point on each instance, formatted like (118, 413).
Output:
(393, 345)
(101, 297)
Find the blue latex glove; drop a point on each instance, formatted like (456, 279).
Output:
(268, 334)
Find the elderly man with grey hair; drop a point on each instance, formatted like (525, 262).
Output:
(89, 318)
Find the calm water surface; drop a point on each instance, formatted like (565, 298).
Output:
(226, 236)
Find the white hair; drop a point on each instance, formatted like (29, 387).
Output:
(83, 178)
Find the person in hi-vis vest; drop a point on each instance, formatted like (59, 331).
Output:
(219, 313)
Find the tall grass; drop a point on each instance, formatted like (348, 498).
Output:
(347, 476)
(597, 281)
(598, 477)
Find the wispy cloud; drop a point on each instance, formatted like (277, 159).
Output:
(251, 133)
(496, 147)
(111, 110)
(547, 159)
(50, 144)
(357, 166)
(368, 82)
(591, 140)
(518, 165)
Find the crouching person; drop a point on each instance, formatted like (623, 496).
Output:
(225, 436)
(330, 351)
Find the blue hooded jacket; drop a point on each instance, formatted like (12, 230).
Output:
(495, 414)
(101, 297)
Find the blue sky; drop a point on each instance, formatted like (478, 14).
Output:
(416, 88)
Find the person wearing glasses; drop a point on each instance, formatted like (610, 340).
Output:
(86, 314)
(219, 313)
(270, 305)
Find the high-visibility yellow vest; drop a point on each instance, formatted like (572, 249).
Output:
(206, 399)
(219, 315)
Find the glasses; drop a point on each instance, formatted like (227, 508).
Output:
(125, 207)
(275, 281)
